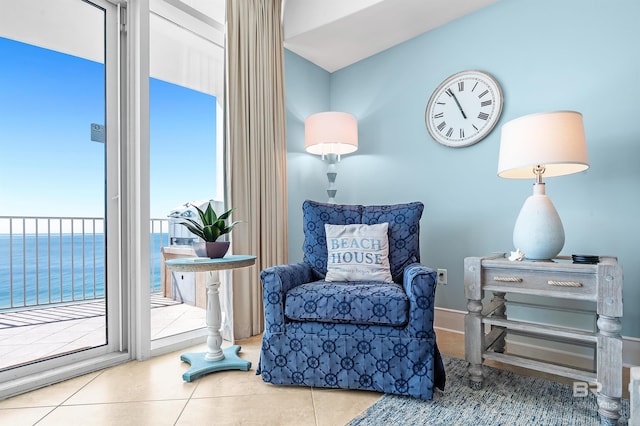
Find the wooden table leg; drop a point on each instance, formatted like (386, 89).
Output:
(474, 342)
(609, 369)
(215, 359)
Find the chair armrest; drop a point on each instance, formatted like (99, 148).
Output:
(276, 282)
(420, 285)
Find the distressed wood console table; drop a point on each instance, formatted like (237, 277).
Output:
(559, 279)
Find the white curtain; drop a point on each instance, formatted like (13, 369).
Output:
(256, 150)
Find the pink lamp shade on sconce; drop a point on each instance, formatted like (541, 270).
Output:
(331, 134)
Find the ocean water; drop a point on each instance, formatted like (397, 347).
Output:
(37, 270)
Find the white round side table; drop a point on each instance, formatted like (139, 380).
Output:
(215, 359)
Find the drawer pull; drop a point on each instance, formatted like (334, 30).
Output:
(508, 279)
(564, 283)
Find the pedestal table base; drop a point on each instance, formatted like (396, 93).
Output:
(200, 366)
(226, 359)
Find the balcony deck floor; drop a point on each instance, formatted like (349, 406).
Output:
(32, 334)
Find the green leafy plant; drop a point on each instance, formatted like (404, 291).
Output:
(211, 226)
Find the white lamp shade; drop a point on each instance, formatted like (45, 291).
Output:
(555, 140)
(331, 133)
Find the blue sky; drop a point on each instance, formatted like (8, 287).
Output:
(48, 164)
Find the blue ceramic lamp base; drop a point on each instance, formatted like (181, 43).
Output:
(200, 366)
(538, 231)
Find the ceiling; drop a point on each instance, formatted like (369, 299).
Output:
(334, 34)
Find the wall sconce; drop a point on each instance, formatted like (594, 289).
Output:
(549, 144)
(331, 134)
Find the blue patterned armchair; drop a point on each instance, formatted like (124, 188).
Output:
(368, 335)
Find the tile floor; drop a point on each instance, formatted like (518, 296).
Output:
(153, 393)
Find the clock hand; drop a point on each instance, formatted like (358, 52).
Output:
(457, 103)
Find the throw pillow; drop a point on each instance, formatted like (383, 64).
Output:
(358, 252)
(404, 232)
(315, 216)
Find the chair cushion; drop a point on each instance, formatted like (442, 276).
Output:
(315, 216)
(404, 232)
(358, 252)
(355, 302)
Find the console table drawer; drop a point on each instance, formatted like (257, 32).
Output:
(558, 284)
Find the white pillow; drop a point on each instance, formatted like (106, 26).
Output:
(358, 252)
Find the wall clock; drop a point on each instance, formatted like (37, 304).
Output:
(464, 108)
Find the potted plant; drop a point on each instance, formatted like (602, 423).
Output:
(209, 228)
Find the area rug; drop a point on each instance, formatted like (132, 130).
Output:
(506, 399)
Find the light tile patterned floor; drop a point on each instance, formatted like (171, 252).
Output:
(153, 393)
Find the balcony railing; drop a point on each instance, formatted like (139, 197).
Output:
(51, 260)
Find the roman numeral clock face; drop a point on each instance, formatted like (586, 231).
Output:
(464, 108)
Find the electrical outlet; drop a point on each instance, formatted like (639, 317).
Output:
(442, 276)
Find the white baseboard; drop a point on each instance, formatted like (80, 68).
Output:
(453, 320)
(449, 319)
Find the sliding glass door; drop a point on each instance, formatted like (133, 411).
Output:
(59, 219)
(185, 154)
(78, 172)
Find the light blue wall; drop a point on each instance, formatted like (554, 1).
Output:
(547, 55)
(307, 91)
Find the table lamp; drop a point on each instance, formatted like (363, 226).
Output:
(546, 144)
(331, 134)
